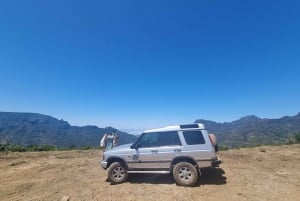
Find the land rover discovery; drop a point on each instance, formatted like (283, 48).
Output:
(181, 150)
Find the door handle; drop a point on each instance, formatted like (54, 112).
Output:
(177, 150)
(154, 151)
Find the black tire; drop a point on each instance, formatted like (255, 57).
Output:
(117, 173)
(185, 174)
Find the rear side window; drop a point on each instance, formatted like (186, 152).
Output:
(193, 137)
(168, 138)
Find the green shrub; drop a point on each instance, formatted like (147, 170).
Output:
(20, 148)
(71, 147)
(2, 147)
(16, 148)
(86, 148)
(34, 148)
(223, 148)
(297, 137)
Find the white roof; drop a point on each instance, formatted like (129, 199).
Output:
(177, 127)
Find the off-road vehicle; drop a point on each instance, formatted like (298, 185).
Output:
(181, 150)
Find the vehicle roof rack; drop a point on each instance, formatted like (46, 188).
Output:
(184, 126)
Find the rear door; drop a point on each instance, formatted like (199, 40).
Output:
(197, 145)
(169, 147)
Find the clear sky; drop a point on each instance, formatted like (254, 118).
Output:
(145, 64)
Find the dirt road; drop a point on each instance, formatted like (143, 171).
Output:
(263, 173)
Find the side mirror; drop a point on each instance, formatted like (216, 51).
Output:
(135, 146)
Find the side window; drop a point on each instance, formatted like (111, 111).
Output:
(193, 137)
(168, 138)
(149, 140)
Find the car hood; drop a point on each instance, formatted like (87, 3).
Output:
(122, 147)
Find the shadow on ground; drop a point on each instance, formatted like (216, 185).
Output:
(151, 178)
(209, 176)
(212, 176)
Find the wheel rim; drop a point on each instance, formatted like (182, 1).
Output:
(118, 173)
(185, 173)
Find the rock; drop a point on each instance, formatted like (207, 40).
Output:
(65, 198)
(262, 149)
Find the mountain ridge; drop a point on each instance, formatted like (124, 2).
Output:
(252, 130)
(34, 128)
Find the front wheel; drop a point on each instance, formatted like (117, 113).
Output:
(185, 174)
(117, 173)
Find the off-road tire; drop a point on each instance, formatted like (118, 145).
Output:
(117, 173)
(185, 174)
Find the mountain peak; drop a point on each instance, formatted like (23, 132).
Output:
(249, 118)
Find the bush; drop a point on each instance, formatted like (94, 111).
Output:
(297, 137)
(16, 148)
(86, 148)
(71, 147)
(2, 147)
(223, 148)
(41, 148)
(20, 148)
(33, 148)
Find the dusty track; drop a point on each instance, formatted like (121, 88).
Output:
(246, 174)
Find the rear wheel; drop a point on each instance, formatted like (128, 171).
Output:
(185, 174)
(117, 173)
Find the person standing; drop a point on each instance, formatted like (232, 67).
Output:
(115, 140)
(109, 142)
(103, 142)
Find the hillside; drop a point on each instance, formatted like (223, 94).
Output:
(251, 130)
(32, 128)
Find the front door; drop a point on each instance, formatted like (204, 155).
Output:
(146, 155)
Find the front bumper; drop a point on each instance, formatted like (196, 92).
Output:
(103, 164)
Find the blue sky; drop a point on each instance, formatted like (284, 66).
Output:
(145, 64)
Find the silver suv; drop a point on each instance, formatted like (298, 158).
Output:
(181, 150)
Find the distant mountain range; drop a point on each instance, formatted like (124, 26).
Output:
(136, 132)
(251, 130)
(31, 128)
